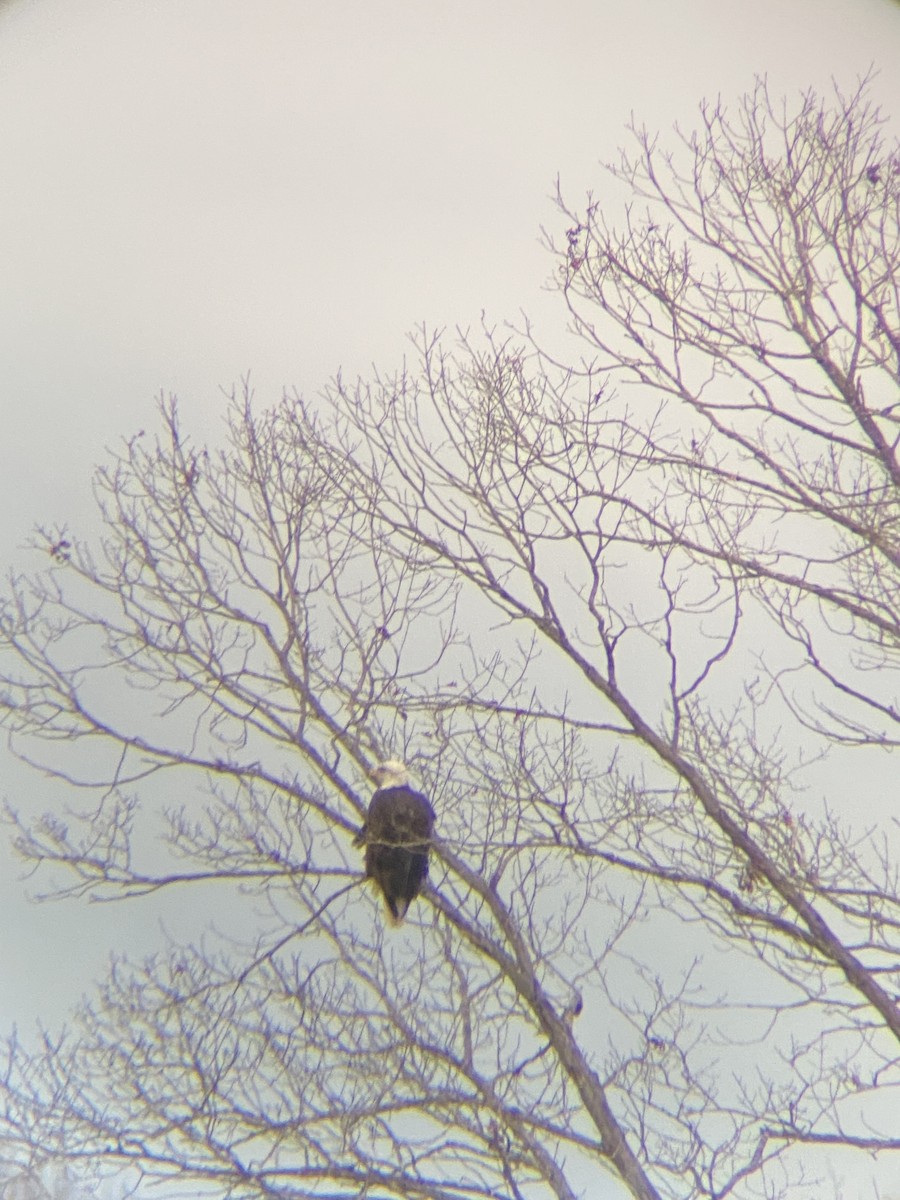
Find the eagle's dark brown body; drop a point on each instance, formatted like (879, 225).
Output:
(396, 835)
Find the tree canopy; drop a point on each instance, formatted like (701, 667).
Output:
(632, 615)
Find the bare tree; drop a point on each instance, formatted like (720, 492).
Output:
(617, 615)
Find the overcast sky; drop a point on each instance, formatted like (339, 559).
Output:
(191, 190)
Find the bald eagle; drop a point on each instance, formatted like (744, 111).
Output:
(396, 835)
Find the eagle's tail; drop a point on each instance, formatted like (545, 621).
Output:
(397, 909)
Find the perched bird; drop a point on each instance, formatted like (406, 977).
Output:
(396, 836)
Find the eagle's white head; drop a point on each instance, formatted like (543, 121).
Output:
(393, 772)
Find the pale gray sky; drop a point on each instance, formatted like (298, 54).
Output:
(194, 189)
